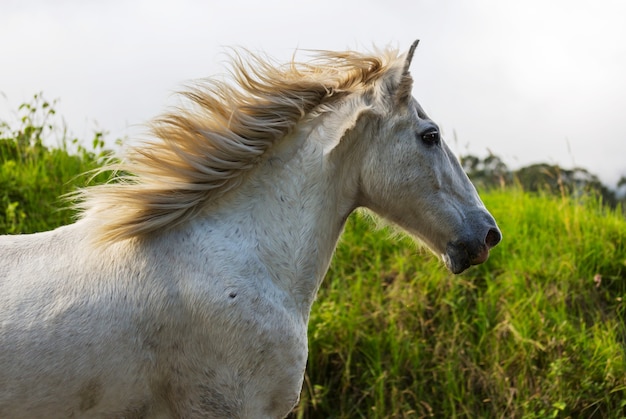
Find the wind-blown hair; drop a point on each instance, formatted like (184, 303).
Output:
(198, 152)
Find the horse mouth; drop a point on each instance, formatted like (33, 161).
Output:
(459, 261)
(461, 255)
(481, 256)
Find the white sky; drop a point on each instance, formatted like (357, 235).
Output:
(532, 81)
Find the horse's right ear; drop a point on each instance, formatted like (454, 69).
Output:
(404, 89)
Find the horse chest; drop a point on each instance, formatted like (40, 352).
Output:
(244, 351)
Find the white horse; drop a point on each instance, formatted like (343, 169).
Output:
(184, 290)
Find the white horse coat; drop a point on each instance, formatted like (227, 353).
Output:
(196, 304)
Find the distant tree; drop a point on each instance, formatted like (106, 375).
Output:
(557, 180)
(488, 172)
(620, 192)
(621, 187)
(491, 171)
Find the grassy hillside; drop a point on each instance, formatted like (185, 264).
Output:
(536, 332)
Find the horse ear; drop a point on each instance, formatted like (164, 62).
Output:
(403, 91)
(409, 57)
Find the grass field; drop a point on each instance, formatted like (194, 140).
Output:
(535, 332)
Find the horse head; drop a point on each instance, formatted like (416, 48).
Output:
(411, 177)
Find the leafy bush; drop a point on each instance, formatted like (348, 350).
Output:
(34, 173)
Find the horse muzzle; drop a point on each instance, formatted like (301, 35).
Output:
(461, 254)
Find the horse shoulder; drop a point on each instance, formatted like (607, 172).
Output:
(243, 347)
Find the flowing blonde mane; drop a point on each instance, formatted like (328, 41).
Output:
(205, 149)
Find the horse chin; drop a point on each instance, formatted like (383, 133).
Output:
(455, 266)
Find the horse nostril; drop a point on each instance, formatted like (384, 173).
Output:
(493, 237)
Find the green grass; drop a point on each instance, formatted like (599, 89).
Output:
(535, 332)
(529, 334)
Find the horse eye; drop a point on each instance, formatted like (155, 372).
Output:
(431, 137)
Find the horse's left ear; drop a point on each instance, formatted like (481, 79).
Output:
(403, 91)
(409, 57)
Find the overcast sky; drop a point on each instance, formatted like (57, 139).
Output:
(532, 81)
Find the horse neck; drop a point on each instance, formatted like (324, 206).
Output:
(294, 207)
